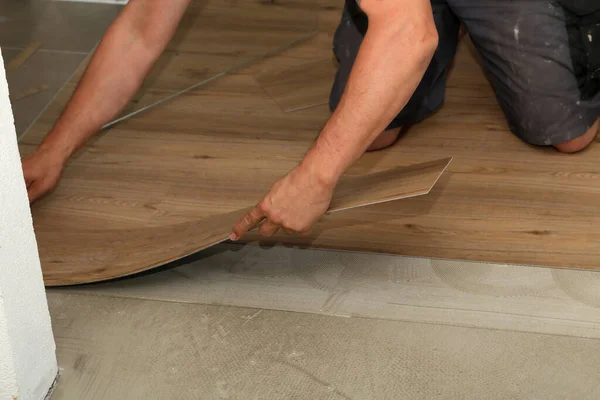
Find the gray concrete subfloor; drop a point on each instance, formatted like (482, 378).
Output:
(119, 348)
(245, 322)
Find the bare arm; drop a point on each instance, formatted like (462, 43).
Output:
(398, 46)
(127, 52)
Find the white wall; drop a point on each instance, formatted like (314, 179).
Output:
(27, 350)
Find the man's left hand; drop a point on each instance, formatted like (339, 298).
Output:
(293, 204)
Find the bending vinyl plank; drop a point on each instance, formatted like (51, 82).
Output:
(84, 256)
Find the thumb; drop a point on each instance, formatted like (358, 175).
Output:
(35, 190)
(27, 174)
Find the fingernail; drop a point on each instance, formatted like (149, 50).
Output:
(232, 237)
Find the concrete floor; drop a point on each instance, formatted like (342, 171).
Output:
(120, 348)
(245, 322)
(279, 323)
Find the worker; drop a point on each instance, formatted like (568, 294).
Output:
(393, 59)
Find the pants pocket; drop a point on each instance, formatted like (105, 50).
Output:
(582, 18)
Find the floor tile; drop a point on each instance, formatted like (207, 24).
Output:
(43, 67)
(68, 26)
(115, 348)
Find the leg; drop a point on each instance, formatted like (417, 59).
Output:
(580, 143)
(428, 97)
(524, 45)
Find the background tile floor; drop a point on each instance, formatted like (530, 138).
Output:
(69, 31)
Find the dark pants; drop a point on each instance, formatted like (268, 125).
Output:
(524, 46)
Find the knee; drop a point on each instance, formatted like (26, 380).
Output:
(579, 143)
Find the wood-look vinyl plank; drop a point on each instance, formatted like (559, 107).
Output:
(218, 148)
(532, 195)
(215, 36)
(411, 181)
(301, 86)
(92, 255)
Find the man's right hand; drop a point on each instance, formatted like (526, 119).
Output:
(42, 170)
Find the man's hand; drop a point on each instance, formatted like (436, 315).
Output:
(293, 204)
(42, 170)
(380, 85)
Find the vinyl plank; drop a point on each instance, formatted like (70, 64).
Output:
(84, 255)
(216, 36)
(218, 148)
(301, 86)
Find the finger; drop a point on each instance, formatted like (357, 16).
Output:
(268, 228)
(290, 232)
(35, 191)
(248, 221)
(27, 178)
(304, 233)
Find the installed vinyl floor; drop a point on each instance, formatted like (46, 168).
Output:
(77, 257)
(219, 147)
(279, 323)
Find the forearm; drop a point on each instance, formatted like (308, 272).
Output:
(389, 66)
(125, 55)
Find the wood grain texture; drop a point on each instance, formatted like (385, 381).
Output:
(301, 86)
(83, 255)
(218, 149)
(217, 35)
(393, 184)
